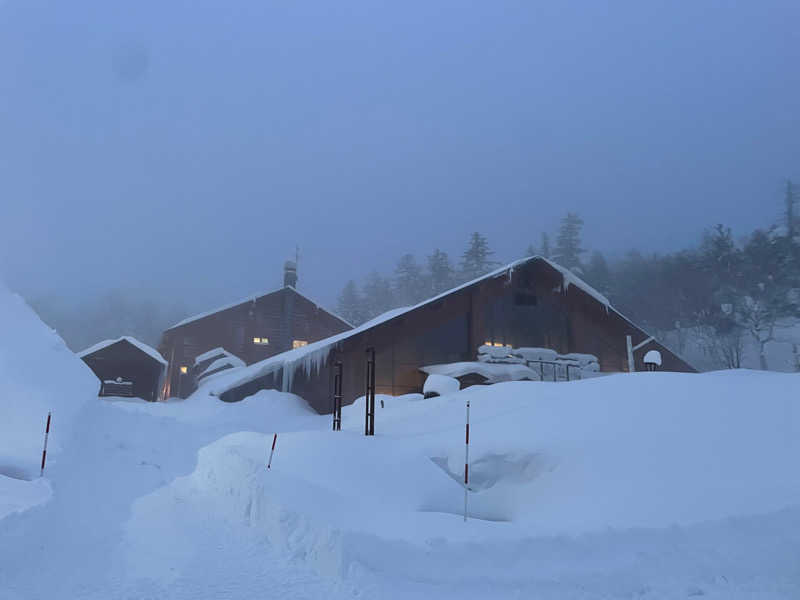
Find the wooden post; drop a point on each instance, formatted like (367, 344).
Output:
(629, 346)
(337, 396)
(369, 394)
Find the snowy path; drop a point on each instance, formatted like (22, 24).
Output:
(72, 546)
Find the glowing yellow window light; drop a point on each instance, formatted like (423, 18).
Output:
(261, 341)
(299, 343)
(184, 370)
(256, 340)
(499, 344)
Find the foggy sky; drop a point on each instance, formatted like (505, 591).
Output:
(182, 149)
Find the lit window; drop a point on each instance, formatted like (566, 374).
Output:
(487, 343)
(499, 344)
(261, 341)
(299, 343)
(184, 370)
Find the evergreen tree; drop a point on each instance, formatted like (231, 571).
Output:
(378, 295)
(440, 272)
(546, 251)
(475, 260)
(789, 216)
(598, 274)
(410, 284)
(351, 304)
(568, 243)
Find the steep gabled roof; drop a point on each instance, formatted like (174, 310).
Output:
(313, 356)
(150, 351)
(253, 298)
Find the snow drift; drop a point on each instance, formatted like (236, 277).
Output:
(38, 373)
(603, 457)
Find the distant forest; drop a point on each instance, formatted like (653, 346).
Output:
(723, 294)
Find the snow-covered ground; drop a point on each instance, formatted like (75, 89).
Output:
(653, 485)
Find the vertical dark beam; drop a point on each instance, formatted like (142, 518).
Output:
(369, 394)
(337, 396)
(372, 396)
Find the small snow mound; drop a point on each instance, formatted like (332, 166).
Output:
(653, 357)
(440, 385)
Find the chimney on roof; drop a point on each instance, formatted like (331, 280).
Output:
(290, 274)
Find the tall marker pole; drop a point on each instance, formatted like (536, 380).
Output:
(44, 450)
(466, 467)
(271, 452)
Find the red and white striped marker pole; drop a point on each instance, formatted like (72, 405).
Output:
(271, 452)
(466, 467)
(44, 450)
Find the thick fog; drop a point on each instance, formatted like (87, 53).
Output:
(182, 150)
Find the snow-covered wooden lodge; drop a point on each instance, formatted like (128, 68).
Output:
(126, 367)
(529, 303)
(250, 330)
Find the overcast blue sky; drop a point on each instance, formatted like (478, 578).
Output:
(183, 148)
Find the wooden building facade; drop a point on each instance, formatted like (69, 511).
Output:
(530, 303)
(126, 367)
(252, 329)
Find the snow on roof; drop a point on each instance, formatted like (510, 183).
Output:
(252, 298)
(225, 361)
(493, 372)
(218, 351)
(313, 356)
(152, 352)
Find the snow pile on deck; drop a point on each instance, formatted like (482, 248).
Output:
(38, 373)
(626, 462)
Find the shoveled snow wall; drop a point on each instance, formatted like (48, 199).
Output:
(38, 373)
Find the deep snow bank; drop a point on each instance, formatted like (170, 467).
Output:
(38, 373)
(620, 453)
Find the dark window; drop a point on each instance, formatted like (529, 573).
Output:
(523, 299)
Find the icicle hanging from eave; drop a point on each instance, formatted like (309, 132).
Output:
(312, 363)
(568, 279)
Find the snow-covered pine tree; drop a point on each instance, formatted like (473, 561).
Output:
(410, 285)
(598, 274)
(351, 304)
(475, 260)
(440, 272)
(568, 243)
(789, 214)
(545, 251)
(378, 295)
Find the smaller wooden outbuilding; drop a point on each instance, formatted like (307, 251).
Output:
(126, 367)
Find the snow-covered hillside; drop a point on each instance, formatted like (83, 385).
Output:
(38, 373)
(651, 485)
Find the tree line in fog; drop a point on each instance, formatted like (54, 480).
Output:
(724, 293)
